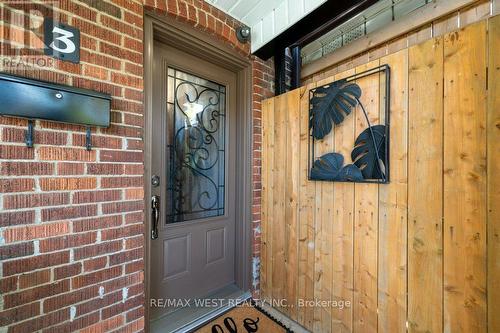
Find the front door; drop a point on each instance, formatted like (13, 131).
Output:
(193, 185)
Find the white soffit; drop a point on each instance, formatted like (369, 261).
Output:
(266, 18)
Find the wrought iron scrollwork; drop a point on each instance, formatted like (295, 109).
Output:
(195, 154)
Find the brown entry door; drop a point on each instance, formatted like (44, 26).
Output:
(193, 185)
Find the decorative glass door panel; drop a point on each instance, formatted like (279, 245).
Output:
(195, 147)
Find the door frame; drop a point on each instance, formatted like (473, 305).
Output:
(188, 39)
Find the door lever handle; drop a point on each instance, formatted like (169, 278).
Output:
(155, 215)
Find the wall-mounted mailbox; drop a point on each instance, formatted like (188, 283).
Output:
(32, 99)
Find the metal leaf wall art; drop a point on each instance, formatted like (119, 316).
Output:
(329, 106)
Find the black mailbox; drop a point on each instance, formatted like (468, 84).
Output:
(21, 97)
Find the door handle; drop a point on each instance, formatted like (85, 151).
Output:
(155, 215)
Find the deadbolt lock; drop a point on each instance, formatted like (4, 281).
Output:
(155, 181)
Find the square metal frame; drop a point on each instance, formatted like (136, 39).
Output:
(311, 140)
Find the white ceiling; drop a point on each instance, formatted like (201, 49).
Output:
(267, 18)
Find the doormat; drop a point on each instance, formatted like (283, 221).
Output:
(246, 317)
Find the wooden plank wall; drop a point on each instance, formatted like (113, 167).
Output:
(421, 254)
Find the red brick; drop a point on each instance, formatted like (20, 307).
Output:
(39, 323)
(134, 217)
(16, 185)
(30, 295)
(96, 196)
(98, 303)
(20, 313)
(124, 131)
(63, 272)
(128, 106)
(134, 19)
(96, 72)
(98, 141)
(36, 278)
(61, 301)
(75, 325)
(40, 137)
(97, 223)
(104, 169)
(133, 119)
(35, 231)
(67, 184)
(134, 169)
(123, 281)
(127, 80)
(121, 307)
(71, 212)
(66, 154)
(135, 144)
(99, 59)
(105, 325)
(17, 218)
(97, 250)
(134, 266)
(131, 243)
(105, 7)
(134, 95)
(7, 285)
(133, 68)
(96, 277)
(95, 264)
(121, 182)
(117, 51)
(32, 263)
(104, 87)
(9, 168)
(70, 168)
(135, 314)
(123, 232)
(134, 193)
(122, 257)
(16, 152)
(95, 30)
(69, 241)
(123, 206)
(122, 27)
(16, 250)
(18, 201)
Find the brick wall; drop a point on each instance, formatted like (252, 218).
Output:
(71, 221)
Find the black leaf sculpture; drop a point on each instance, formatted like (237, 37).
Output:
(329, 167)
(329, 104)
(350, 173)
(369, 152)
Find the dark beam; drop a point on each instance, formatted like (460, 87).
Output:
(315, 24)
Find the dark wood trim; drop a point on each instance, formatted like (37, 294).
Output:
(188, 39)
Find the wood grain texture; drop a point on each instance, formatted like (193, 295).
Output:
(409, 255)
(465, 180)
(292, 162)
(306, 236)
(267, 197)
(425, 195)
(493, 153)
(393, 203)
(323, 248)
(278, 186)
(343, 234)
(366, 217)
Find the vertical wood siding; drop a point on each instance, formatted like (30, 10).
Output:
(413, 254)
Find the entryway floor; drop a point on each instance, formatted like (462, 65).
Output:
(187, 318)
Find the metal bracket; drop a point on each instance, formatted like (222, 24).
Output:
(28, 136)
(88, 139)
